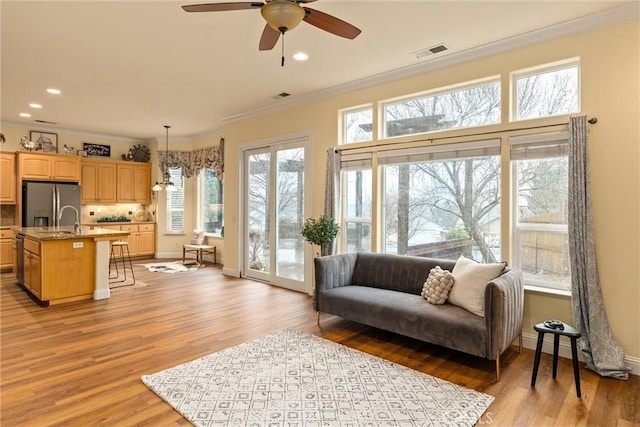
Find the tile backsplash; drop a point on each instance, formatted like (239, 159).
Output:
(91, 213)
(7, 215)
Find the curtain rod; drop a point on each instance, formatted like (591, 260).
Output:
(592, 121)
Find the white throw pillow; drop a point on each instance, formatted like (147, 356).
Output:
(471, 279)
(436, 288)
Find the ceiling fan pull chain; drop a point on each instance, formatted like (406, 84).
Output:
(282, 63)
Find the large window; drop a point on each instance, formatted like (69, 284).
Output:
(463, 107)
(356, 221)
(443, 201)
(175, 203)
(540, 168)
(546, 92)
(211, 203)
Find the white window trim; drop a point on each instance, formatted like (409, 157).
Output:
(545, 68)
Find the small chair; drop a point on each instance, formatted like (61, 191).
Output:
(567, 331)
(200, 251)
(121, 245)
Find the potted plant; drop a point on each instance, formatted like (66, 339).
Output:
(321, 232)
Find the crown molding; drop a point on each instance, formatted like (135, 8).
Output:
(612, 16)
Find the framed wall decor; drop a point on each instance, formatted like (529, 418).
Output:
(82, 153)
(100, 150)
(44, 141)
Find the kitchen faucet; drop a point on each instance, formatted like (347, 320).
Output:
(76, 225)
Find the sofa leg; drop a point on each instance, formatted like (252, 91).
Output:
(318, 318)
(520, 342)
(498, 366)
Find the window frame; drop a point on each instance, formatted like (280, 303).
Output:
(475, 149)
(179, 189)
(200, 201)
(533, 283)
(345, 112)
(496, 79)
(346, 220)
(542, 69)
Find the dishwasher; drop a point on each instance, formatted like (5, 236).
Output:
(20, 260)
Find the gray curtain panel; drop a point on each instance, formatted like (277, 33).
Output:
(602, 352)
(332, 188)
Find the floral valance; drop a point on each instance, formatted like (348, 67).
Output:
(192, 162)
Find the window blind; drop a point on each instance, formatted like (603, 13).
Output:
(538, 146)
(489, 147)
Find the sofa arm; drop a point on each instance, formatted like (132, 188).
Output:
(504, 302)
(334, 271)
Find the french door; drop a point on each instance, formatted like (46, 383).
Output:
(274, 200)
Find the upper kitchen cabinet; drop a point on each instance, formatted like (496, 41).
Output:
(98, 181)
(134, 183)
(40, 166)
(7, 178)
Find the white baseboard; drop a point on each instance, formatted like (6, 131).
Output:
(231, 272)
(160, 255)
(102, 293)
(564, 350)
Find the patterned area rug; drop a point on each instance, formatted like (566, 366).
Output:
(292, 378)
(171, 267)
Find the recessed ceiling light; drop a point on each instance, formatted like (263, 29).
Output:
(300, 56)
(54, 91)
(25, 115)
(34, 105)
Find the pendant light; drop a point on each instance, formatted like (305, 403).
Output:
(166, 176)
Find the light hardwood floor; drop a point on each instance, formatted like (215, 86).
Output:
(80, 364)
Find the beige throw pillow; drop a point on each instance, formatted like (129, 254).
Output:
(471, 278)
(436, 288)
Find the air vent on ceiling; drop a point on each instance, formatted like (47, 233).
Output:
(430, 51)
(281, 95)
(46, 122)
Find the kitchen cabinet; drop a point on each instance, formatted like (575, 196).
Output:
(40, 166)
(7, 243)
(48, 263)
(7, 178)
(32, 267)
(142, 240)
(134, 183)
(98, 181)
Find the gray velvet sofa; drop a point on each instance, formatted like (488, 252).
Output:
(383, 291)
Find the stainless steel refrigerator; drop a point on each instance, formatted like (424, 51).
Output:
(41, 203)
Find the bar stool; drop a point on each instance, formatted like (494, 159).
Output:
(121, 245)
(567, 331)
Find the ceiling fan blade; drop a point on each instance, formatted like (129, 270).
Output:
(221, 7)
(269, 38)
(331, 24)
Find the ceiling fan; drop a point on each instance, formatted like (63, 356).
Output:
(283, 16)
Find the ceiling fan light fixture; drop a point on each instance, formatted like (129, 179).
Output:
(282, 15)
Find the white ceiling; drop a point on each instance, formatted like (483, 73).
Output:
(126, 68)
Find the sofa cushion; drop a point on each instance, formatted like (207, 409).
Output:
(394, 272)
(410, 315)
(471, 279)
(436, 288)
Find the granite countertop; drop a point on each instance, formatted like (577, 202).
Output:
(67, 232)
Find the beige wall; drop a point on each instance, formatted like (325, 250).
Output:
(610, 91)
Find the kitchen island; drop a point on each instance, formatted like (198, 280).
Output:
(61, 265)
